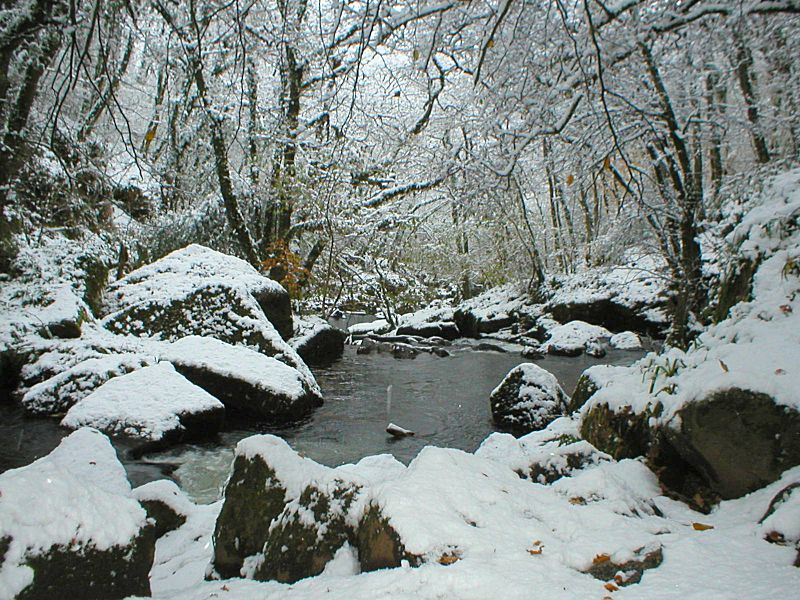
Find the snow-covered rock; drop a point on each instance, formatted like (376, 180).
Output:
(247, 382)
(63, 390)
(445, 330)
(155, 404)
(575, 337)
(723, 417)
(165, 504)
(317, 342)
(197, 291)
(625, 340)
(528, 399)
(69, 526)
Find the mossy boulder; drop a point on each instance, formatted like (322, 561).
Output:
(69, 526)
(584, 389)
(528, 399)
(254, 497)
(298, 547)
(620, 433)
(166, 505)
(738, 440)
(379, 545)
(88, 572)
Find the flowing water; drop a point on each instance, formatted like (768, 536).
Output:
(444, 400)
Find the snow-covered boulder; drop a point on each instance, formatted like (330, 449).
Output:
(249, 383)
(591, 380)
(317, 342)
(63, 390)
(543, 456)
(737, 439)
(70, 528)
(528, 399)
(284, 517)
(154, 404)
(198, 291)
(446, 330)
(165, 504)
(575, 337)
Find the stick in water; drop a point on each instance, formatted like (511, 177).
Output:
(398, 431)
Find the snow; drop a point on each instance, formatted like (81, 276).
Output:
(183, 271)
(147, 403)
(78, 494)
(75, 383)
(260, 371)
(510, 535)
(166, 491)
(625, 340)
(756, 347)
(575, 335)
(377, 326)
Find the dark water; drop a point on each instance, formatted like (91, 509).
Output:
(443, 400)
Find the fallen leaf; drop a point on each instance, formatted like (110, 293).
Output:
(490, 43)
(780, 372)
(601, 558)
(537, 549)
(611, 587)
(225, 588)
(775, 537)
(570, 179)
(579, 500)
(701, 526)
(448, 559)
(786, 309)
(723, 366)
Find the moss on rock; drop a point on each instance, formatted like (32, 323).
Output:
(88, 572)
(622, 434)
(254, 497)
(584, 389)
(379, 545)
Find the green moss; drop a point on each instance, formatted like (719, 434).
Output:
(623, 434)
(254, 497)
(297, 549)
(379, 545)
(86, 572)
(735, 288)
(584, 389)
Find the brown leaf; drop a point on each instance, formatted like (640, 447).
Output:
(780, 372)
(448, 559)
(601, 558)
(579, 500)
(701, 527)
(611, 587)
(490, 43)
(723, 366)
(570, 179)
(786, 309)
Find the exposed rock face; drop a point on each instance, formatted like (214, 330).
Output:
(584, 390)
(736, 287)
(623, 434)
(297, 548)
(277, 307)
(284, 516)
(467, 323)
(446, 330)
(471, 325)
(165, 504)
(738, 440)
(64, 545)
(528, 399)
(317, 342)
(254, 497)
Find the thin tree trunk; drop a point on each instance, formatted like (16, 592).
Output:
(744, 66)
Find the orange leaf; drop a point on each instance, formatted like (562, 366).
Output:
(570, 179)
(601, 558)
(448, 559)
(611, 587)
(535, 551)
(607, 162)
(701, 526)
(490, 43)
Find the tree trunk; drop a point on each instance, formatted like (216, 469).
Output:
(744, 66)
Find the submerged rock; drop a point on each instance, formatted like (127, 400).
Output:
(70, 528)
(528, 399)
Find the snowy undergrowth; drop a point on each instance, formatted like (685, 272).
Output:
(757, 347)
(485, 532)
